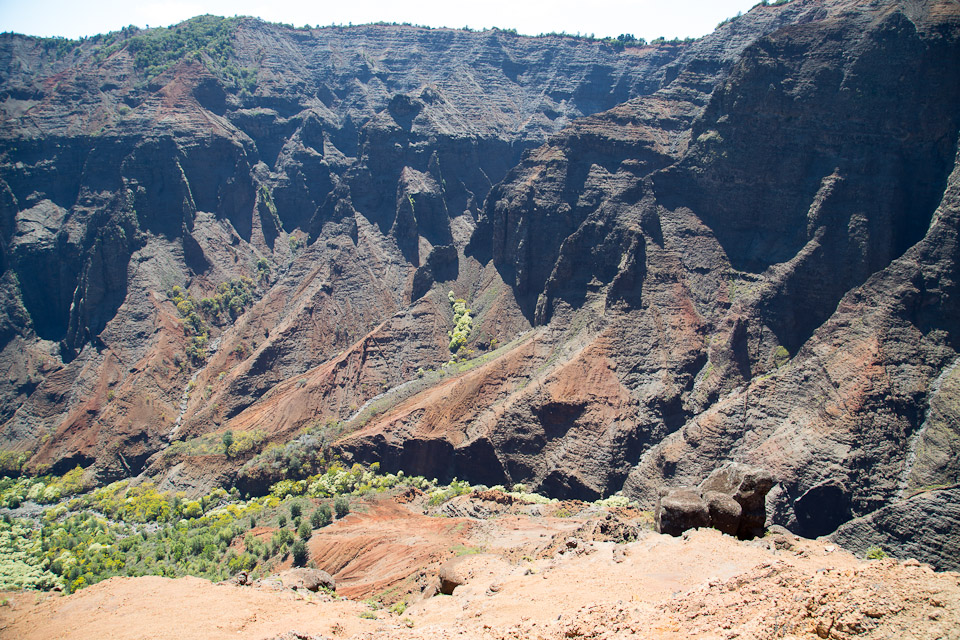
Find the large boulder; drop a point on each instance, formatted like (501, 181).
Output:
(308, 579)
(681, 509)
(451, 576)
(732, 499)
(748, 486)
(725, 512)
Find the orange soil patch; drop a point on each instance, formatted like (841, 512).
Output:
(371, 552)
(162, 608)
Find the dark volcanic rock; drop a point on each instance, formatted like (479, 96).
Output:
(681, 509)
(725, 512)
(924, 526)
(731, 499)
(748, 487)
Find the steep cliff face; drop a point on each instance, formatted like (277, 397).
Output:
(762, 273)
(354, 162)
(743, 247)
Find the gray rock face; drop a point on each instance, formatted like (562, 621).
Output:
(375, 146)
(925, 526)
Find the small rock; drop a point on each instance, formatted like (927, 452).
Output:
(619, 555)
(431, 587)
(297, 635)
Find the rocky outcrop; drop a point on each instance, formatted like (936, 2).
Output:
(926, 525)
(748, 487)
(681, 509)
(308, 579)
(732, 499)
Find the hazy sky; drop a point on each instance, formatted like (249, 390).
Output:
(643, 18)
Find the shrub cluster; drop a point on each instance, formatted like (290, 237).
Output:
(11, 462)
(229, 302)
(340, 481)
(193, 324)
(299, 458)
(40, 490)
(22, 563)
(462, 323)
(207, 38)
(125, 530)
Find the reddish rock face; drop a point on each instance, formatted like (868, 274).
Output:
(741, 248)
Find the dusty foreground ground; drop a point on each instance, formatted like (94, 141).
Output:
(525, 574)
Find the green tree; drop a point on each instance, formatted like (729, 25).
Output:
(300, 553)
(321, 517)
(342, 506)
(304, 531)
(227, 441)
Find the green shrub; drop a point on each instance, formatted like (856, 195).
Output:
(304, 531)
(263, 269)
(245, 442)
(462, 321)
(227, 442)
(295, 509)
(300, 553)
(321, 517)
(876, 553)
(442, 494)
(780, 356)
(341, 506)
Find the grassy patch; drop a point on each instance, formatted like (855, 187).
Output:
(464, 550)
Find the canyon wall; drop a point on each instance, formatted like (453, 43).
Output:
(738, 248)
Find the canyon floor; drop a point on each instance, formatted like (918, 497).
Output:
(527, 571)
